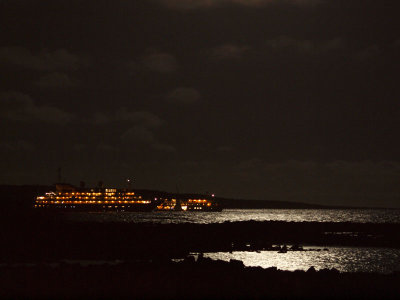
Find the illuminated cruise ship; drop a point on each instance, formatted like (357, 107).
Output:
(68, 197)
(198, 204)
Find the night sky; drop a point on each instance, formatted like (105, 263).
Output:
(294, 100)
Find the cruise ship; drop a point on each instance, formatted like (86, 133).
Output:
(69, 197)
(189, 204)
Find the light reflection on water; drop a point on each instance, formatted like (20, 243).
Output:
(382, 260)
(235, 215)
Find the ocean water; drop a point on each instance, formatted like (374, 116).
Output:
(237, 215)
(344, 259)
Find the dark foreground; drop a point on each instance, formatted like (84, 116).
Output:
(34, 246)
(204, 279)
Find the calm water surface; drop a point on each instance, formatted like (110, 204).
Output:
(344, 259)
(235, 215)
(382, 260)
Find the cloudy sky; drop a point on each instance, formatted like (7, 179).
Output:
(292, 100)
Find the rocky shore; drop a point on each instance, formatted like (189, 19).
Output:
(35, 250)
(40, 238)
(189, 279)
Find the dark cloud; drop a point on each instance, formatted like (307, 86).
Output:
(194, 4)
(229, 51)
(154, 61)
(369, 52)
(55, 80)
(45, 60)
(99, 118)
(184, 95)
(142, 118)
(160, 62)
(305, 46)
(340, 182)
(103, 149)
(16, 146)
(140, 135)
(277, 99)
(79, 147)
(21, 108)
(224, 149)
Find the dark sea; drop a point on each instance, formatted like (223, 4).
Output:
(238, 215)
(344, 259)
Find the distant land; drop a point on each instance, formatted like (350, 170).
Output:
(22, 196)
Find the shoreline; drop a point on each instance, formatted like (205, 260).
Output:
(145, 251)
(201, 279)
(57, 239)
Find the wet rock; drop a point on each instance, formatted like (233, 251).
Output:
(236, 263)
(334, 270)
(296, 247)
(283, 249)
(189, 259)
(311, 270)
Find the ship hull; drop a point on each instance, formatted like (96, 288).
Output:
(205, 209)
(100, 208)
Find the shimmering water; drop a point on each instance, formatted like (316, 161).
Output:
(235, 215)
(382, 260)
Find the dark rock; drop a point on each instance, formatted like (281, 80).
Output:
(236, 263)
(311, 270)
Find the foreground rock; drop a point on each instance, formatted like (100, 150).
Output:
(203, 279)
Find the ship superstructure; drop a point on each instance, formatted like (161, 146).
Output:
(189, 204)
(68, 197)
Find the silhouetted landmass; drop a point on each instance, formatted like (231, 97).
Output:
(190, 279)
(21, 197)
